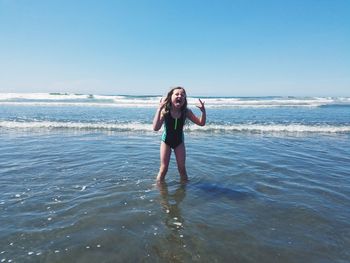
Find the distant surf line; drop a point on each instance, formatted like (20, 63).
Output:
(43, 100)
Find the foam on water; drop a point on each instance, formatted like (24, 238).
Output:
(42, 96)
(146, 127)
(83, 100)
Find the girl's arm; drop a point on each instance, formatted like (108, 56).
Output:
(158, 117)
(199, 121)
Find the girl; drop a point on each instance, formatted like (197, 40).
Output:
(173, 112)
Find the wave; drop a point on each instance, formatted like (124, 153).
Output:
(135, 126)
(276, 128)
(90, 100)
(147, 127)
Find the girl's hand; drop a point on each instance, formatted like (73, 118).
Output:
(201, 105)
(201, 120)
(162, 103)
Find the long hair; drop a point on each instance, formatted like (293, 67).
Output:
(168, 102)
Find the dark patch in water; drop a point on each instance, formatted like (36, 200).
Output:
(215, 190)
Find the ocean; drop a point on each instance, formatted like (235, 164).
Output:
(269, 181)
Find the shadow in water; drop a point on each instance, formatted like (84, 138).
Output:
(214, 190)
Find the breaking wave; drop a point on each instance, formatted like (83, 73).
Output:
(81, 100)
(147, 127)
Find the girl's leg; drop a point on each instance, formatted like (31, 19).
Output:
(180, 153)
(165, 152)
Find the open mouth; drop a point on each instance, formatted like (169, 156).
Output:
(178, 100)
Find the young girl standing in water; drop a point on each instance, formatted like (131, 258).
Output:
(173, 112)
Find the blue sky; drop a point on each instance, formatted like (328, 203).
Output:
(230, 48)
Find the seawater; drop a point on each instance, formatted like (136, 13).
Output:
(269, 181)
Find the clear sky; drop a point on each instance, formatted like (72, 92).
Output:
(219, 48)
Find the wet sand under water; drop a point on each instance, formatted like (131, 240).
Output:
(92, 197)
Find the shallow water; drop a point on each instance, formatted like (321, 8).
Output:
(88, 196)
(269, 181)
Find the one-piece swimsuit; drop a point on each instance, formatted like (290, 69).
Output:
(173, 130)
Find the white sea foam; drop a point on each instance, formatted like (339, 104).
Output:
(278, 128)
(81, 100)
(75, 125)
(209, 128)
(42, 96)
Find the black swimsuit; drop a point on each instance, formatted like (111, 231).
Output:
(173, 130)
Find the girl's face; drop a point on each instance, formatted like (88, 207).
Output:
(178, 98)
